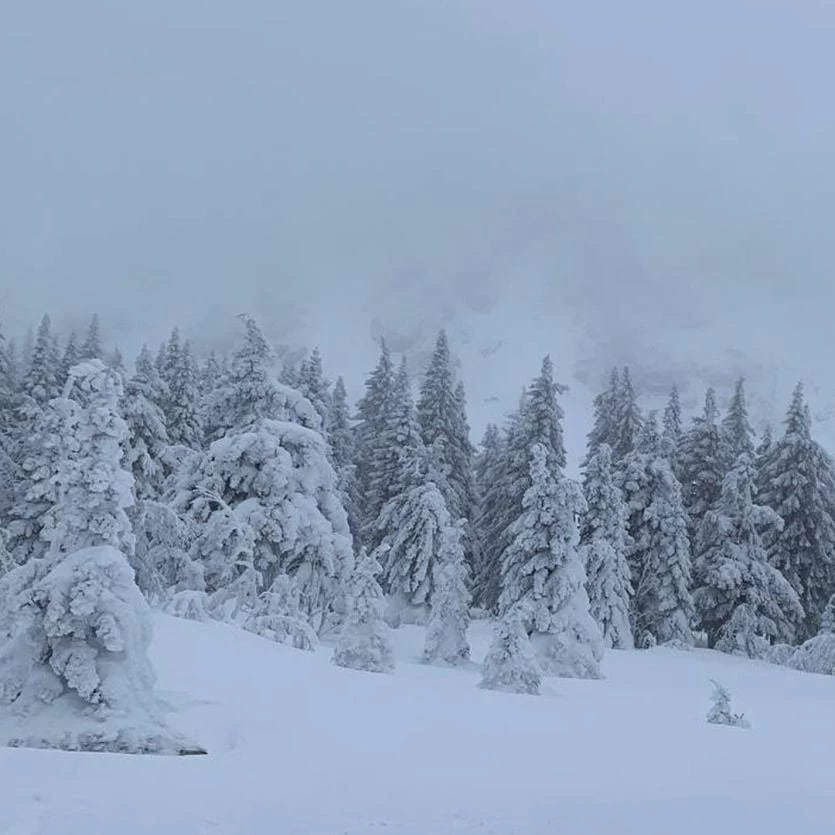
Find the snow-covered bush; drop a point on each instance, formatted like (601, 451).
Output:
(446, 634)
(511, 664)
(279, 617)
(817, 655)
(720, 711)
(189, 605)
(364, 643)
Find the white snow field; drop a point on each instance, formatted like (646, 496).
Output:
(298, 745)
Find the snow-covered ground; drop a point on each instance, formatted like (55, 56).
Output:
(300, 746)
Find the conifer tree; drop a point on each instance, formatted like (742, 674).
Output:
(92, 347)
(147, 436)
(181, 408)
(280, 617)
(628, 420)
(701, 463)
(492, 510)
(603, 543)
(311, 382)
(736, 431)
(659, 554)
(343, 445)
(541, 566)
(797, 481)
(511, 664)
(71, 356)
(373, 412)
(446, 633)
(672, 430)
(732, 571)
(828, 618)
(364, 643)
(604, 430)
(41, 382)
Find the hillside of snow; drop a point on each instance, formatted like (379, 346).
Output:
(300, 746)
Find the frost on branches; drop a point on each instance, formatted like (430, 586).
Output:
(541, 567)
(74, 668)
(511, 664)
(364, 643)
(603, 549)
(280, 618)
(446, 633)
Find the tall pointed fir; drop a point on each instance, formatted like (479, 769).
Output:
(736, 431)
(311, 382)
(603, 543)
(71, 355)
(409, 531)
(343, 446)
(701, 463)
(659, 553)
(371, 457)
(41, 382)
(492, 508)
(264, 497)
(92, 347)
(672, 427)
(74, 667)
(604, 430)
(181, 407)
(797, 480)
(628, 420)
(742, 602)
(441, 411)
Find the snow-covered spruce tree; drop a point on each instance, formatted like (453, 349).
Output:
(701, 464)
(490, 484)
(732, 572)
(628, 419)
(147, 435)
(736, 431)
(74, 668)
(441, 412)
(720, 712)
(40, 383)
(541, 566)
(604, 429)
(311, 382)
(178, 371)
(71, 355)
(374, 455)
(263, 497)
(828, 618)
(364, 643)
(280, 617)
(92, 348)
(511, 664)
(343, 446)
(659, 554)
(797, 480)
(7, 563)
(603, 543)
(446, 633)
(672, 428)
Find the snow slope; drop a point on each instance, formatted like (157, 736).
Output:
(300, 746)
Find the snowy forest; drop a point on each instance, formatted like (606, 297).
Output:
(247, 490)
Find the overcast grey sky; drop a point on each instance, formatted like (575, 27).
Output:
(660, 173)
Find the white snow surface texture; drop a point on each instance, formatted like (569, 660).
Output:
(298, 745)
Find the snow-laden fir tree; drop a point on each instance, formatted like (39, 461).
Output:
(41, 382)
(511, 664)
(441, 412)
(828, 618)
(659, 553)
(492, 507)
(628, 419)
(91, 348)
(541, 566)
(71, 356)
(147, 436)
(280, 617)
(720, 711)
(446, 632)
(742, 602)
(342, 441)
(701, 463)
(603, 543)
(672, 427)
(311, 382)
(364, 643)
(178, 371)
(797, 480)
(604, 429)
(74, 666)
(736, 431)
(263, 497)
(372, 447)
